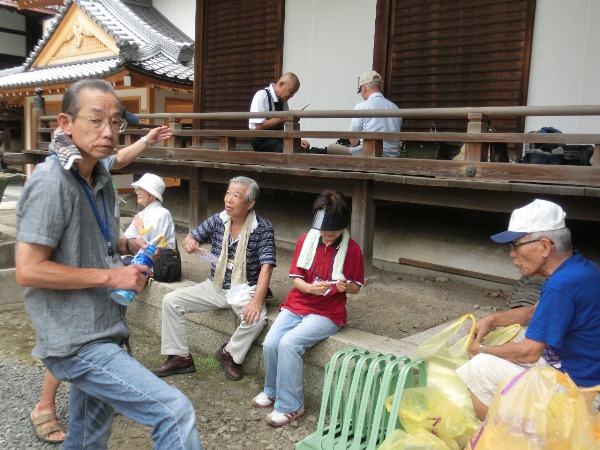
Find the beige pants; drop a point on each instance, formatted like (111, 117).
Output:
(201, 298)
(483, 373)
(337, 149)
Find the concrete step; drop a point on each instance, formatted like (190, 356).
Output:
(208, 331)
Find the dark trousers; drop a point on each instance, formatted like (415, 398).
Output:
(270, 145)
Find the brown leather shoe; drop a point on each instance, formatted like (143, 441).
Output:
(231, 369)
(175, 364)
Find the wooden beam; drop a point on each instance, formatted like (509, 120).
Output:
(363, 220)
(198, 201)
(34, 4)
(455, 271)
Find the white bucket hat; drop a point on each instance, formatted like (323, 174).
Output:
(151, 183)
(539, 215)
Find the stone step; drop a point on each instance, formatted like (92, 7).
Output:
(208, 331)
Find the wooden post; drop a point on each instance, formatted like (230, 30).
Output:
(198, 201)
(39, 110)
(291, 145)
(474, 151)
(363, 220)
(227, 143)
(372, 147)
(175, 125)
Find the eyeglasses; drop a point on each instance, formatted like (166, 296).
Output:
(514, 246)
(98, 124)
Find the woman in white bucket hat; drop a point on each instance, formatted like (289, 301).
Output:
(154, 220)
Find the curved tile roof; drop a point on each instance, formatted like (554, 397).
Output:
(147, 43)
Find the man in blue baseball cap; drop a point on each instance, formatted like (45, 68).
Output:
(563, 327)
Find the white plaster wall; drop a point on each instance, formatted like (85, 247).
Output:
(328, 44)
(181, 12)
(565, 62)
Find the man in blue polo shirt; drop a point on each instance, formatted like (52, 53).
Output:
(563, 327)
(243, 255)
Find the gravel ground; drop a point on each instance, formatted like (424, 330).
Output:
(226, 419)
(20, 391)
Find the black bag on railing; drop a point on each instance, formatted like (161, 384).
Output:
(168, 267)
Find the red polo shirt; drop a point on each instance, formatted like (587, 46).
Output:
(332, 305)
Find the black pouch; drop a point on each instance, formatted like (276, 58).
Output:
(168, 267)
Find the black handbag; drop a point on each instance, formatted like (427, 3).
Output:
(168, 267)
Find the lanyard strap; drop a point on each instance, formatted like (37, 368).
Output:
(104, 226)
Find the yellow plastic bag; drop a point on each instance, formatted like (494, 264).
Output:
(443, 353)
(596, 427)
(539, 409)
(451, 343)
(502, 335)
(400, 440)
(447, 350)
(426, 409)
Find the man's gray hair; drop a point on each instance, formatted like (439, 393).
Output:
(375, 85)
(253, 189)
(71, 103)
(560, 238)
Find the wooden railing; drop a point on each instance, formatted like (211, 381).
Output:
(208, 155)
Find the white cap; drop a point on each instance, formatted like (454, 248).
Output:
(540, 215)
(151, 183)
(369, 77)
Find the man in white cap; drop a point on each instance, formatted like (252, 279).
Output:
(563, 327)
(370, 87)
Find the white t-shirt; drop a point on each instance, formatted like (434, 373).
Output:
(260, 103)
(159, 218)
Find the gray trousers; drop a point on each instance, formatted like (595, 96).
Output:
(201, 298)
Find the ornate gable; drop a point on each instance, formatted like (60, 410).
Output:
(76, 39)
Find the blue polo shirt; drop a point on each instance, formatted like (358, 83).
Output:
(567, 318)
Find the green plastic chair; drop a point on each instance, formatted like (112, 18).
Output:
(357, 383)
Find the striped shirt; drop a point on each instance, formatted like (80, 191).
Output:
(261, 245)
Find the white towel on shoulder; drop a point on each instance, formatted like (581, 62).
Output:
(309, 249)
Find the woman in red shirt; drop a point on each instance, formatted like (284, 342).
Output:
(327, 265)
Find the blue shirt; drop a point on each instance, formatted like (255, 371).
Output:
(567, 318)
(260, 250)
(379, 124)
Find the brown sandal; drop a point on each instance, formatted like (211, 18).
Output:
(42, 432)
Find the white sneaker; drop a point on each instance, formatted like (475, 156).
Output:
(278, 419)
(262, 401)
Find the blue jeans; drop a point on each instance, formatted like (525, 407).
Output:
(104, 378)
(283, 349)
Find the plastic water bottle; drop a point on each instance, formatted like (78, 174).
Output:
(143, 258)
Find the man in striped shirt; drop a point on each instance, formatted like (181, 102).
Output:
(242, 254)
